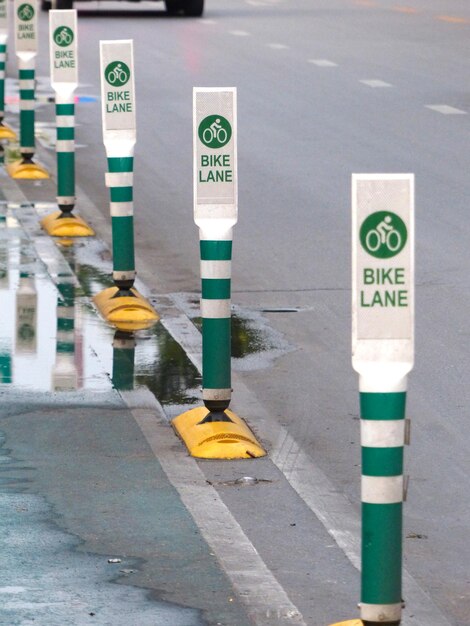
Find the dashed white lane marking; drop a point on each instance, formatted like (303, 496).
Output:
(239, 33)
(323, 63)
(277, 46)
(445, 109)
(265, 599)
(375, 83)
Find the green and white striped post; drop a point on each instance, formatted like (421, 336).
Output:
(123, 360)
(119, 136)
(383, 355)
(63, 49)
(122, 304)
(214, 431)
(65, 375)
(5, 132)
(215, 213)
(64, 80)
(26, 31)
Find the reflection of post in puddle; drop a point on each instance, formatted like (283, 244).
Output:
(123, 360)
(5, 366)
(26, 314)
(65, 376)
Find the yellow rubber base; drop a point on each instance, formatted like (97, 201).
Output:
(7, 133)
(70, 226)
(216, 440)
(126, 312)
(350, 622)
(31, 171)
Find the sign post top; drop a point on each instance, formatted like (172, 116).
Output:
(118, 95)
(215, 154)
(63, 50)
(383, 275)
(26, 28)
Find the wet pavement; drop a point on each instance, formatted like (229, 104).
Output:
(94, 532)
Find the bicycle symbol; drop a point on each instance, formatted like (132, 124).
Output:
(215, 131)
(117, 74)
(383, 234)
(63, 36)
(25, 12)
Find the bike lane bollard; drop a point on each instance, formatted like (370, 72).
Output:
(122, 305)
(26, 31)
(383, 355)
(213, 431)
(63, 48)
(65, 372)
(6, 133)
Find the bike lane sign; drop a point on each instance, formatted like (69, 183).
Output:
(117, 89)
(215, 153)
(63, 48)
(26, 28)
(383, 265)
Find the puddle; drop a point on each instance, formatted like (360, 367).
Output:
(51, 338)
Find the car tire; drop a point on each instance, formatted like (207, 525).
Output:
(46, 5)
(193, 8)
(64, 4)
(173, 6)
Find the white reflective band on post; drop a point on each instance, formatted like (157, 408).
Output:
(119, 179)
(121, 209)
(26, 83)
(124, 275)
(64, 336)
(66, 199)
(381, 612)
(216, 394)
(3, 57)
(216, 269)
(382, 433)
(66, 312)
(65, 145)
(65, 121)
(27, 105)
(381, 489)
(215, 309)
(2, 74)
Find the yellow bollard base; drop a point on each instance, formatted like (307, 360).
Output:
(216, 440)
(7, 133)
(27, 170)
(69, 226)
(126, 312)
(349, 622)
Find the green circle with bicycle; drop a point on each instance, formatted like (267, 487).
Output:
(117, 73)
(63, 36)
(25, 12)
(383, 234)
(215, 131)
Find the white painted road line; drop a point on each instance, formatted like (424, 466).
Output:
(265, 600)
(445, 109)
(375, 83)
(277, 46)
(239, 33)
(323, 63)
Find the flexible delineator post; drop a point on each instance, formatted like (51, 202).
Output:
(65, 149)
(5, 132)
(3, 59)
(383, 355)
(27, 107)
(382, 488)
(65, 371)
(119, 179)
(216, 256)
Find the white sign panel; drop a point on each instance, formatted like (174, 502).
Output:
(63, 48)
(3, 21)
(26, 28)
(215, 153)
(117, 87)
(383, 267)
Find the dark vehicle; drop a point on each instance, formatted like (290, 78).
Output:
(191, 8)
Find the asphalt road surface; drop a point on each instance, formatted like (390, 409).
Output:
(326, 88)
